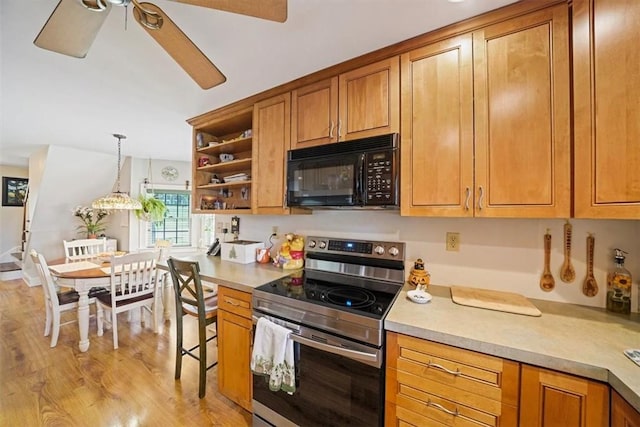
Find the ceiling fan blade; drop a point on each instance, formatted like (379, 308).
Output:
(178, 45)
(72, 27)
(273, 10)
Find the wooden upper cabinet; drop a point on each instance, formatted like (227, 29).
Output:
(314, 114)
(271, 140)
(356, 104)
(606, 76)
(369, 100)
(522, 116)
(551, 398)
(437, 129)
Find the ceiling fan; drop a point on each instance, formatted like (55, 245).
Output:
(74, 24)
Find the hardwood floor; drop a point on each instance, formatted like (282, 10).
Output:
(131, 386)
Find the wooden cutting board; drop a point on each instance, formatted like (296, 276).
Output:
(494, 300)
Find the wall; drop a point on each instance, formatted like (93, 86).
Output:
(61, 178)
(11, 216)
(500, 254)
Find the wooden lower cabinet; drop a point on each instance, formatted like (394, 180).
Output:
(434, 384)
(550, 398)
(623, 414)
(235, 329)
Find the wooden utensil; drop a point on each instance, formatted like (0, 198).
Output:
(590, 286)
(567, 272)
(547, 282)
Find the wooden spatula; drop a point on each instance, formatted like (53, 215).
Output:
(567, 272)
(590, 286)
(547, 282)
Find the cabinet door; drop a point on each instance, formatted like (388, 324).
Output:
(272, 133)
(234, 358)
(522, 145)
(623, 414)
(437, 129)
(369, 100)
(553, 399)
(607, 112)
(314, 114)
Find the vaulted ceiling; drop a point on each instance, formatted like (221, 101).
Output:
(127, 84)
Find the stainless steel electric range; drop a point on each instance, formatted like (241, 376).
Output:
(335, 309)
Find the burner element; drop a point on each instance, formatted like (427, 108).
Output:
(349, 297)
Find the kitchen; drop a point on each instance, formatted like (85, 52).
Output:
(481, 260)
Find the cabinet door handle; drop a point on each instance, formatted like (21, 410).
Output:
(331, 129)
(231, 302)
(481, 198)
(339, 129)
(449, 371)
(455, 412)
(466, 200)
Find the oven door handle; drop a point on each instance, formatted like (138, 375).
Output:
(340, 351)
(369, 358)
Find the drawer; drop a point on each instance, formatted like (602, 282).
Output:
(234, 301)
(444, 404)
(455, 370)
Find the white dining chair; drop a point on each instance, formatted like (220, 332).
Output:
(84, 248)
(56, 302)
(163, 247)
(133, 285)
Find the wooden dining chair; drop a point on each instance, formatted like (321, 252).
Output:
(55, 301)
(192, 299)
(84, 248)
(133, 285)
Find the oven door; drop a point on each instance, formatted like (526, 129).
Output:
(335, 385)
(325, 181)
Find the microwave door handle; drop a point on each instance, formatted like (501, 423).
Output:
(360, 196)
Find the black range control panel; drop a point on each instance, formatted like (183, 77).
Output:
(364, 248)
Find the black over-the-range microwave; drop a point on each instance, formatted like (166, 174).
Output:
(361, 173)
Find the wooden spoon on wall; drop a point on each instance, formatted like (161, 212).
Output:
(567, 272)
(547, 282)
(590, 286)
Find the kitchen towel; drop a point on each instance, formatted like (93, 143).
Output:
(273, 355)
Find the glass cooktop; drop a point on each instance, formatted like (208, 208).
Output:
(359, 300)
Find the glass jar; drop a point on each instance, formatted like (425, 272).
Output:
(619, 286)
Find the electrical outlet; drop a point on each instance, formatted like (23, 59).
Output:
(453, 241)
(219, 227)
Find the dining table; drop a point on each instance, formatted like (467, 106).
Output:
(81, 275)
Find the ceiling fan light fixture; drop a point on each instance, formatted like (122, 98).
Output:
(117, 200)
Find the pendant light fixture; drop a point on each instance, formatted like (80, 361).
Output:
(117, 200)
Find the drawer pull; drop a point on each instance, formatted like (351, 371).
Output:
(231, 302)
(455, 412)
(435, 365)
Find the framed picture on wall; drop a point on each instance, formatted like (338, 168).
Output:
(14, 190)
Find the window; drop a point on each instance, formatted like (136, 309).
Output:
(176, 226)
(180, 226)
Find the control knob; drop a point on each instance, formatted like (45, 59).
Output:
(323, 244)
(312, 243)
(393, 251)
(379, 250)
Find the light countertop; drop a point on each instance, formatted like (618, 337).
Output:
(579, 340)
(242, 277)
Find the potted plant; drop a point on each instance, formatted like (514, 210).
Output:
(91, 220)
(152, 209)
